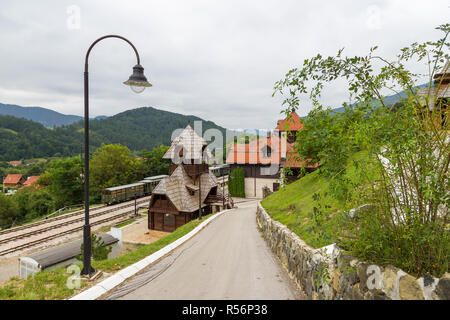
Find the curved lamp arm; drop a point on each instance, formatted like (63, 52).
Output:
(105, 37)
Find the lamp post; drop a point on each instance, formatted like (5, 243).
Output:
(223, 192)
(199, 193)
(138, 82)
(135, 208)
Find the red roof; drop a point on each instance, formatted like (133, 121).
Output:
(254, 153)
(16, 162)
(291, 123)
(31, 180)
(13, 178)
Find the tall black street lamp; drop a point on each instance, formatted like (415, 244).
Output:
(138, 82)
(199, 193)
(135, 205)
(223, 192)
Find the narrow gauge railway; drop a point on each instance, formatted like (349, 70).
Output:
(110, 196)
(46, 221)
(71, 221)
(63, 233)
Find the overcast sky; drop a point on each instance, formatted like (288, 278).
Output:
(217, 60)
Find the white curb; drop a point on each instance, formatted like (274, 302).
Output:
(110, 283)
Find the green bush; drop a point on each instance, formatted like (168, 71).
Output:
(404, 139)
(236, 183)
(99, 250)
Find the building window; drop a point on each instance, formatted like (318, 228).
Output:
(267, 171)
(267, 152)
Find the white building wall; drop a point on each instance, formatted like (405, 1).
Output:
(260, 183)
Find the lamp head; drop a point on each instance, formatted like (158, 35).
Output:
(137, 81)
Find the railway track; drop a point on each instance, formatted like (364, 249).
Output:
(38, 223)
(73, 230)
(60, 225)
(45, 229)
(61, 217)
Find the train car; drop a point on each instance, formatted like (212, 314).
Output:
(151, 183)
(220, 170)
(123, 193)
(130, 191)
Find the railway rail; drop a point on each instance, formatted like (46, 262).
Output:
(59, 225)
(73, 230)
(38, 223)
(45, 229)
(61, 217)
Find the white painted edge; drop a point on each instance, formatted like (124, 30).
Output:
(113, 281)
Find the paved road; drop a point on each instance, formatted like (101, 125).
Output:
(227, 260)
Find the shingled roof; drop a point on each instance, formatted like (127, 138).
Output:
(13, 178)
(191, 144)
(441, 85)
(175, 188)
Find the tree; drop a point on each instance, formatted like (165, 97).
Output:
(153, 163)
(64, 181)
(9, 212)
(112, 165)
(405, 176)
(33, 203)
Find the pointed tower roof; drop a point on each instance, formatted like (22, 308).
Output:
(291, 123)
(189, 144)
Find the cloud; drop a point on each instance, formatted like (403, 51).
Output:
(215, 60)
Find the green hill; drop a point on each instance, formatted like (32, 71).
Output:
(138, 129)
(47, 117)
(293, 204)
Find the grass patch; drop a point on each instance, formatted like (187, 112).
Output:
(45, 285)
(51, 284)
(293, 204)
(123, 224)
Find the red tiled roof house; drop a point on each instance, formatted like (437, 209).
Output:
(263, 158)
(14, 180)
(31, 181)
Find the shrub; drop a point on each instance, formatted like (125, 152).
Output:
(404, 175)
(236, 183)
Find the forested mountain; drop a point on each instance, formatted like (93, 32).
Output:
(47, 117)
(142, 128)
(138, 129)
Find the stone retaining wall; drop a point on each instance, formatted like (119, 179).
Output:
(327, 273)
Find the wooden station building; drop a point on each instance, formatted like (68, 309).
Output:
(176, 199)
